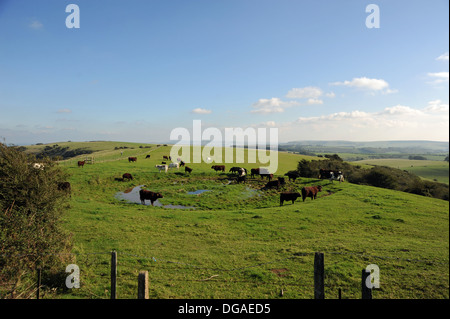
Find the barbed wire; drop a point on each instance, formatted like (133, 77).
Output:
(294, 256)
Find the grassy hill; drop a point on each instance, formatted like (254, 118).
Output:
(427, 169)
(238, 242)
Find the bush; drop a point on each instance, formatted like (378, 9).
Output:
(31, 205)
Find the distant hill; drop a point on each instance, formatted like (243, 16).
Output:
(376, 147)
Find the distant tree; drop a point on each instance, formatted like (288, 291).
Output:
(31, 206)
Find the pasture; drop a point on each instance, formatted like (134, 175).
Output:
(437, 170)
(238, 242)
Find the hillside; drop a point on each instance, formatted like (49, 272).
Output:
(236, 241)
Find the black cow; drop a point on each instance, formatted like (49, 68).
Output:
(187, 169)
(127, 176)
(293, 175)
(148, 195)
(289, 196)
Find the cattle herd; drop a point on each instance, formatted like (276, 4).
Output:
(305, 192)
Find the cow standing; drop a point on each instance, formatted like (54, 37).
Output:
(310, 191)
(292, 196)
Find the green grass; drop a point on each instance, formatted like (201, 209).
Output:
(239, 243)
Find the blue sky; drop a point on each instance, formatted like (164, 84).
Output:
(136, 70)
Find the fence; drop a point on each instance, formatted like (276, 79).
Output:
(315, 280)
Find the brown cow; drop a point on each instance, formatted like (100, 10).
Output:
(152, 196)
(288, 196)
(311, 191)
(127, 176)
(218, 168)
(81, 163)
(132, 159)
(271, 184)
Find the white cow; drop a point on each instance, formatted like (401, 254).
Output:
(38, 166)
(162, 167)
(177, 165)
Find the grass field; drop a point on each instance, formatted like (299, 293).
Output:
(427, 169)
(238, 242)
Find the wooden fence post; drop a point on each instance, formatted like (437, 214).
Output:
(38, 283)
(143, 285)
(113, 274)
(366, 293)
(319, 276)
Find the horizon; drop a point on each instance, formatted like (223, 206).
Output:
(332, 70)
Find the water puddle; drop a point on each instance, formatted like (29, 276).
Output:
(131, 195)
(199, 191)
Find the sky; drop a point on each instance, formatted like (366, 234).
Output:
(136, 70)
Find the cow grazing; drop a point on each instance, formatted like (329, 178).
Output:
(187, 169)
(132, 159)
(288, 196)
(148, 195)
(272, 184)
(127, 176)
(163, 163)
(310, 191)
(166, 157)
(81, 163)
(241, 178)
(182, 163)
(238, 170)
(148, 156)
(218, 168)
(174, 165)
(292, 175)
(254, 171)
(162, 167)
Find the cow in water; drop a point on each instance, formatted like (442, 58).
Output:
(149, 195)
(310, 191)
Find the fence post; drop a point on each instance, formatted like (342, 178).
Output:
(38, 283)
(319, 276)
(113, 274)
(366, 293)
(143, 285)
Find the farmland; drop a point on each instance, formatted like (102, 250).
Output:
(237, 241)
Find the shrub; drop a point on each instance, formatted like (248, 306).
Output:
(30, 225)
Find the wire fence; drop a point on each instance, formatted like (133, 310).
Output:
(292, 276)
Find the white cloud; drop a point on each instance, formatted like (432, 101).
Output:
(314, 101)
(439, 77)
(367, 84)
(304, 93)
(436, 106)
(443, 57)
(201, 111)
(35, 24)
(64, 111)
(273, 105)
(399, 122)
(330, 94)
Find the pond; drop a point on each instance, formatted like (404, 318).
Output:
(132, 196)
